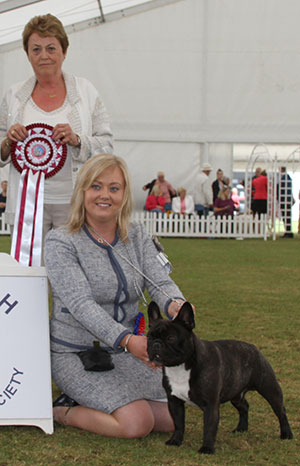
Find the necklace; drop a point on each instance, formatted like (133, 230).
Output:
(99, 238)
(51, 95)
(103, 241)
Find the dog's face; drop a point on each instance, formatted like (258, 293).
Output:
(170, 343)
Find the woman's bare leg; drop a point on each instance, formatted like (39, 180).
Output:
(137, 419)
(163, 421)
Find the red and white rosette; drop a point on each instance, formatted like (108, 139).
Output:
(36, 158)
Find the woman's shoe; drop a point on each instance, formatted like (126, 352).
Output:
(64, 400)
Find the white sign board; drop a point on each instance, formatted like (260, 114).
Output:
(25, 375)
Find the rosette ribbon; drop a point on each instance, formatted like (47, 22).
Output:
(36, 158)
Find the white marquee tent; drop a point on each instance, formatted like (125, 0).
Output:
(183, 80)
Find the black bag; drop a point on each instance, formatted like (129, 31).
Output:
(96, 359)
(172, 195)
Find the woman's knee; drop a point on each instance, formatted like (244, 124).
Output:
(137, 420)
(138, 429)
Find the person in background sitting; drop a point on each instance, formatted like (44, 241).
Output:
(155, 202)
(224, 204)
(167, 189)
(183, 204)
(3, 196)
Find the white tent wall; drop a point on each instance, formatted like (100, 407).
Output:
(185, 80)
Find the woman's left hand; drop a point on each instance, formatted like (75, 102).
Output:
(63, 132)
(175, 306)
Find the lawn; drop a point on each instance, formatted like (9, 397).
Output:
(246, 290)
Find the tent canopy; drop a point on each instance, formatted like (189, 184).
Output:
(183, 80)
(16, 13)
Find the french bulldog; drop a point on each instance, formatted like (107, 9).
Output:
(207, 373)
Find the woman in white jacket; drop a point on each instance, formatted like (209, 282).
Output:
(183, 203)
(69, 104)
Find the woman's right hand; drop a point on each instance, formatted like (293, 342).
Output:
(17, 133)
(137, 345)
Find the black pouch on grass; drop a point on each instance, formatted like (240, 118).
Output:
(96, 359)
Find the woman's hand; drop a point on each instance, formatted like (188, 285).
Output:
(137, 345)
(63, 132)
(175, 307)
(16, 133)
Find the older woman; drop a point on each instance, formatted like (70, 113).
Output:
(69, 104)
(183, 204)
(97, 266)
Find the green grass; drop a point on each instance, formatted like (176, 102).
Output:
(246, 290)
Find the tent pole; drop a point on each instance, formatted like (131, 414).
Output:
(101, 11)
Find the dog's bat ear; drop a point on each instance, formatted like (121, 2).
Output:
(186, 316)
(153, 313)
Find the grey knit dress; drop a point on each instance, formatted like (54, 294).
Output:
(95, 298)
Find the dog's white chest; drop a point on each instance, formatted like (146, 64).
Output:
(179, 382)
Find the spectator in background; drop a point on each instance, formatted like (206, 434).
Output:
(258, 171)
(218, 184)
(260, 193)
(224, 204)
(166, 188)
(286, 201)
(149, 186)
(203, 195)
(3, 196)
(155, 201)
(226, 180)
(236, 198)
(183, 204)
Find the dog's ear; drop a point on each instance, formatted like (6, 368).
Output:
(153, 313)
(186, 316)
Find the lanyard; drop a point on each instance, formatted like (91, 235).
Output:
(135, 268)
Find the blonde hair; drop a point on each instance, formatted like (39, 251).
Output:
(179, 190)
(222, 192)
(155, 190)
(89, 172)
(46, 26)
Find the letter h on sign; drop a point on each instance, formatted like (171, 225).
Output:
(10, 306)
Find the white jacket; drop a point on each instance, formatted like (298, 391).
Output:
(88, 118)
(189, 204)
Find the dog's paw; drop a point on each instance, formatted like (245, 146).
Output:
(287, 435)
(175, 440)
(206, 450)
(240, 429)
